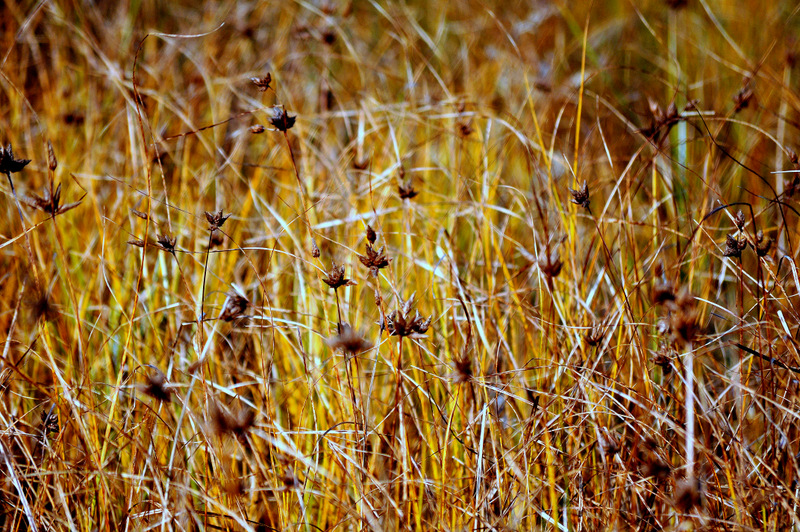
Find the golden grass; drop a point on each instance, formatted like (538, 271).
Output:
(619, 356)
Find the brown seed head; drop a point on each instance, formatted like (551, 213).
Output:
(551, 264)
(336, 278)
(8, 164)
(374, 260)
(224, 422)
(595, 335)
(407, 191)
(688, 494)
(281, 119)
(742, 98)
(400, 322)
(463, 369)
(262, 83)
(256, 129)
(739, 220)
(216, 219)
(49, 202)
(580, 196)
(167, 243)
(763, 244)
(158, 388)
(234, 307)
(734, 246)
(52, 162)
(349, 340)
(371, 236)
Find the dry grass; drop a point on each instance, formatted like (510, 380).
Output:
(402, 310)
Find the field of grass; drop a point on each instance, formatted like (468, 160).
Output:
(465, 265)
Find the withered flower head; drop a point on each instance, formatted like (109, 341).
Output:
(216, 219)
(281, 119)
(49, 202)
(580, 196)
(139, 214)
(158, 388)
(262, 83)
(407, 191)
(688, 494)
(608, 441)
(742, 98)
(676, 4)
(336, 278)
(551, 264)
(663, 291)
(374, 260)
(52, 162)
(41, 306)
(315, 252)
(167, 243)
(734, 246)
(256, 129)
(763, 244)
(400, 322)
(739, 220)
(223, 422)
(371, 236)
(684, 318)
(8, 164)
(235, 306)
(663, 359)
(348, 340)
(595, 335)
(463, 369)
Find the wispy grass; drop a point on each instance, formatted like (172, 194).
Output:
(455, 266)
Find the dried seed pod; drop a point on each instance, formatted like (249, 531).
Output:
(551, 264)
(580, 196)
(281, 119)
(336, 279)
(734, 246)
(349, 340)
(763, 244)
(234, 307)
(262, 83)
(52, 162)
(374, 260)
(739, 220)
(8, 164)
(257, 129)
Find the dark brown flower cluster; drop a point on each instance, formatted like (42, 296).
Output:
(336, 278)
(374, 260)
(158, 388)
(166, 243)
(262, 83)
(224, 422)
(580, 196)
(349, 340)
(281, 119)
(8, 164)
(50, 202)
(234, 307)
(660, 121)
(763, 244)
(400, 322)
(550, 264)
(734, 246)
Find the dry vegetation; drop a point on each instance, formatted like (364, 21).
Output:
(449, 266)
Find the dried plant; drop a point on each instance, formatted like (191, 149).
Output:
(281, 119)
(580, 196)
(8, 163)
(49, 202)
(349, 340)
(335, 277)
(400, 323)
